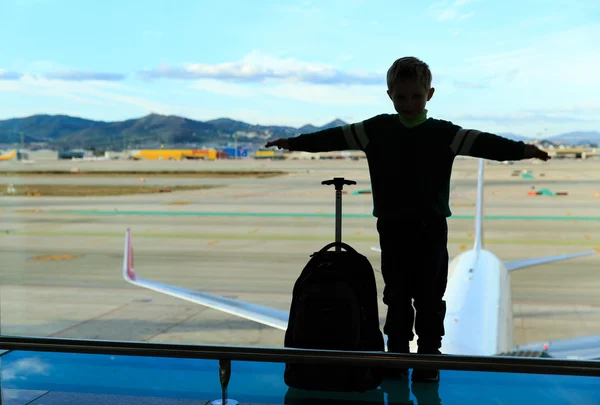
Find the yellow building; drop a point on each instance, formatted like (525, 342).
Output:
(9, 155)
(269, 154)
(174, 154)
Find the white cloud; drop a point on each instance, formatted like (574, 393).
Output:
(21, 369)
(7, 75)
(79, 75)
(119, 99)
(263, 76)
(103, 94)
(311, 93)
(38, 86)
(257, 67)
(447, 11)
(53, 70)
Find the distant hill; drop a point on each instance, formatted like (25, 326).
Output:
(571, 138)
(42, 128)
(577, 137)
(514, 137)
(154, 130)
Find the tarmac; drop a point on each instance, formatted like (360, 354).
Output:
(62, 257)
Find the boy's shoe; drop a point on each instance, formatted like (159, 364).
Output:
(397, 373)
(426, 375)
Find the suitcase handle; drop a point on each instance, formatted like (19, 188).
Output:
(338, 182)
(338, 245)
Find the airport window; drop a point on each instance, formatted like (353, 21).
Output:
(51, 377)
(139, 200)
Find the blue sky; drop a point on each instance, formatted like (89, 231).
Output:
(529, 67)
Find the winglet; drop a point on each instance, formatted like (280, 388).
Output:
(128, 272)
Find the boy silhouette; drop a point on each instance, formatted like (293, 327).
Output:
(410, 157)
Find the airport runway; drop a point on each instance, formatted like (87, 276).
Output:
(62, 257)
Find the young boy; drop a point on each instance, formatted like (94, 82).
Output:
(410, 159)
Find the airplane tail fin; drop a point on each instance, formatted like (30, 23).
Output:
(273, 317)
(478, 244)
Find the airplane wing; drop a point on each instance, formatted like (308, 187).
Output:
(521, 264)
(267, 316)
(579, 348)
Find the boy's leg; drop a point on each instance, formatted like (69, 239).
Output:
(430, 288)
(397, 268)
(432, 278)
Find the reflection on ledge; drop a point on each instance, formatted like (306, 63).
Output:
(46, 371)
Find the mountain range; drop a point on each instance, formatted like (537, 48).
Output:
(154, 130)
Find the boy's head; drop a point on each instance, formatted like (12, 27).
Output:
(409, 86)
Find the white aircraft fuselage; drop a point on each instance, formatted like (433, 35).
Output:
(479, 318)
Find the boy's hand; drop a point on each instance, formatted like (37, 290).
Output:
(533, 152)
(282, 143)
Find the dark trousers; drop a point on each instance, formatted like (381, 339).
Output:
(414, 264)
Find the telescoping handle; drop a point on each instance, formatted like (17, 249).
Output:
(338, 183)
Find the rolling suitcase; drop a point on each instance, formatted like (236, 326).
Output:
(334, 306)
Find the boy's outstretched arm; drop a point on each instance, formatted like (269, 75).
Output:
(347, 137)
(471, 142)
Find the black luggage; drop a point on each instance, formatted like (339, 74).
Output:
(334, 307)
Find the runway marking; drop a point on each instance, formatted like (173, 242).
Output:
(279, 237)
(54, 257)
(254, 230)
(179, 203)
(214, 242)
(320, 214)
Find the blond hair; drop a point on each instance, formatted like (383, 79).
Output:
(409, 67)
